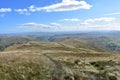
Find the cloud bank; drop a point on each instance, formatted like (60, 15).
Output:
(73, 24)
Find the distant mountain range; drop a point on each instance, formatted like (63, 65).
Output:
(106, 40)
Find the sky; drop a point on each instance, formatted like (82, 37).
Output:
(58, 15)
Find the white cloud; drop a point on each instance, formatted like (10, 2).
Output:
(65, 5)
(55, 24)
(102, 19)
(34, 25)
(32, 8)
(102, 23)
(22, 11)
(72, 19)
(3, 10)
(115, 13)
(108, 26)
(37, 25)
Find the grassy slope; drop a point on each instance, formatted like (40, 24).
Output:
(57, 61)
(103, 42)
(79, 43)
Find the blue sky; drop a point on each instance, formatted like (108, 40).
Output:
(58, 15)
